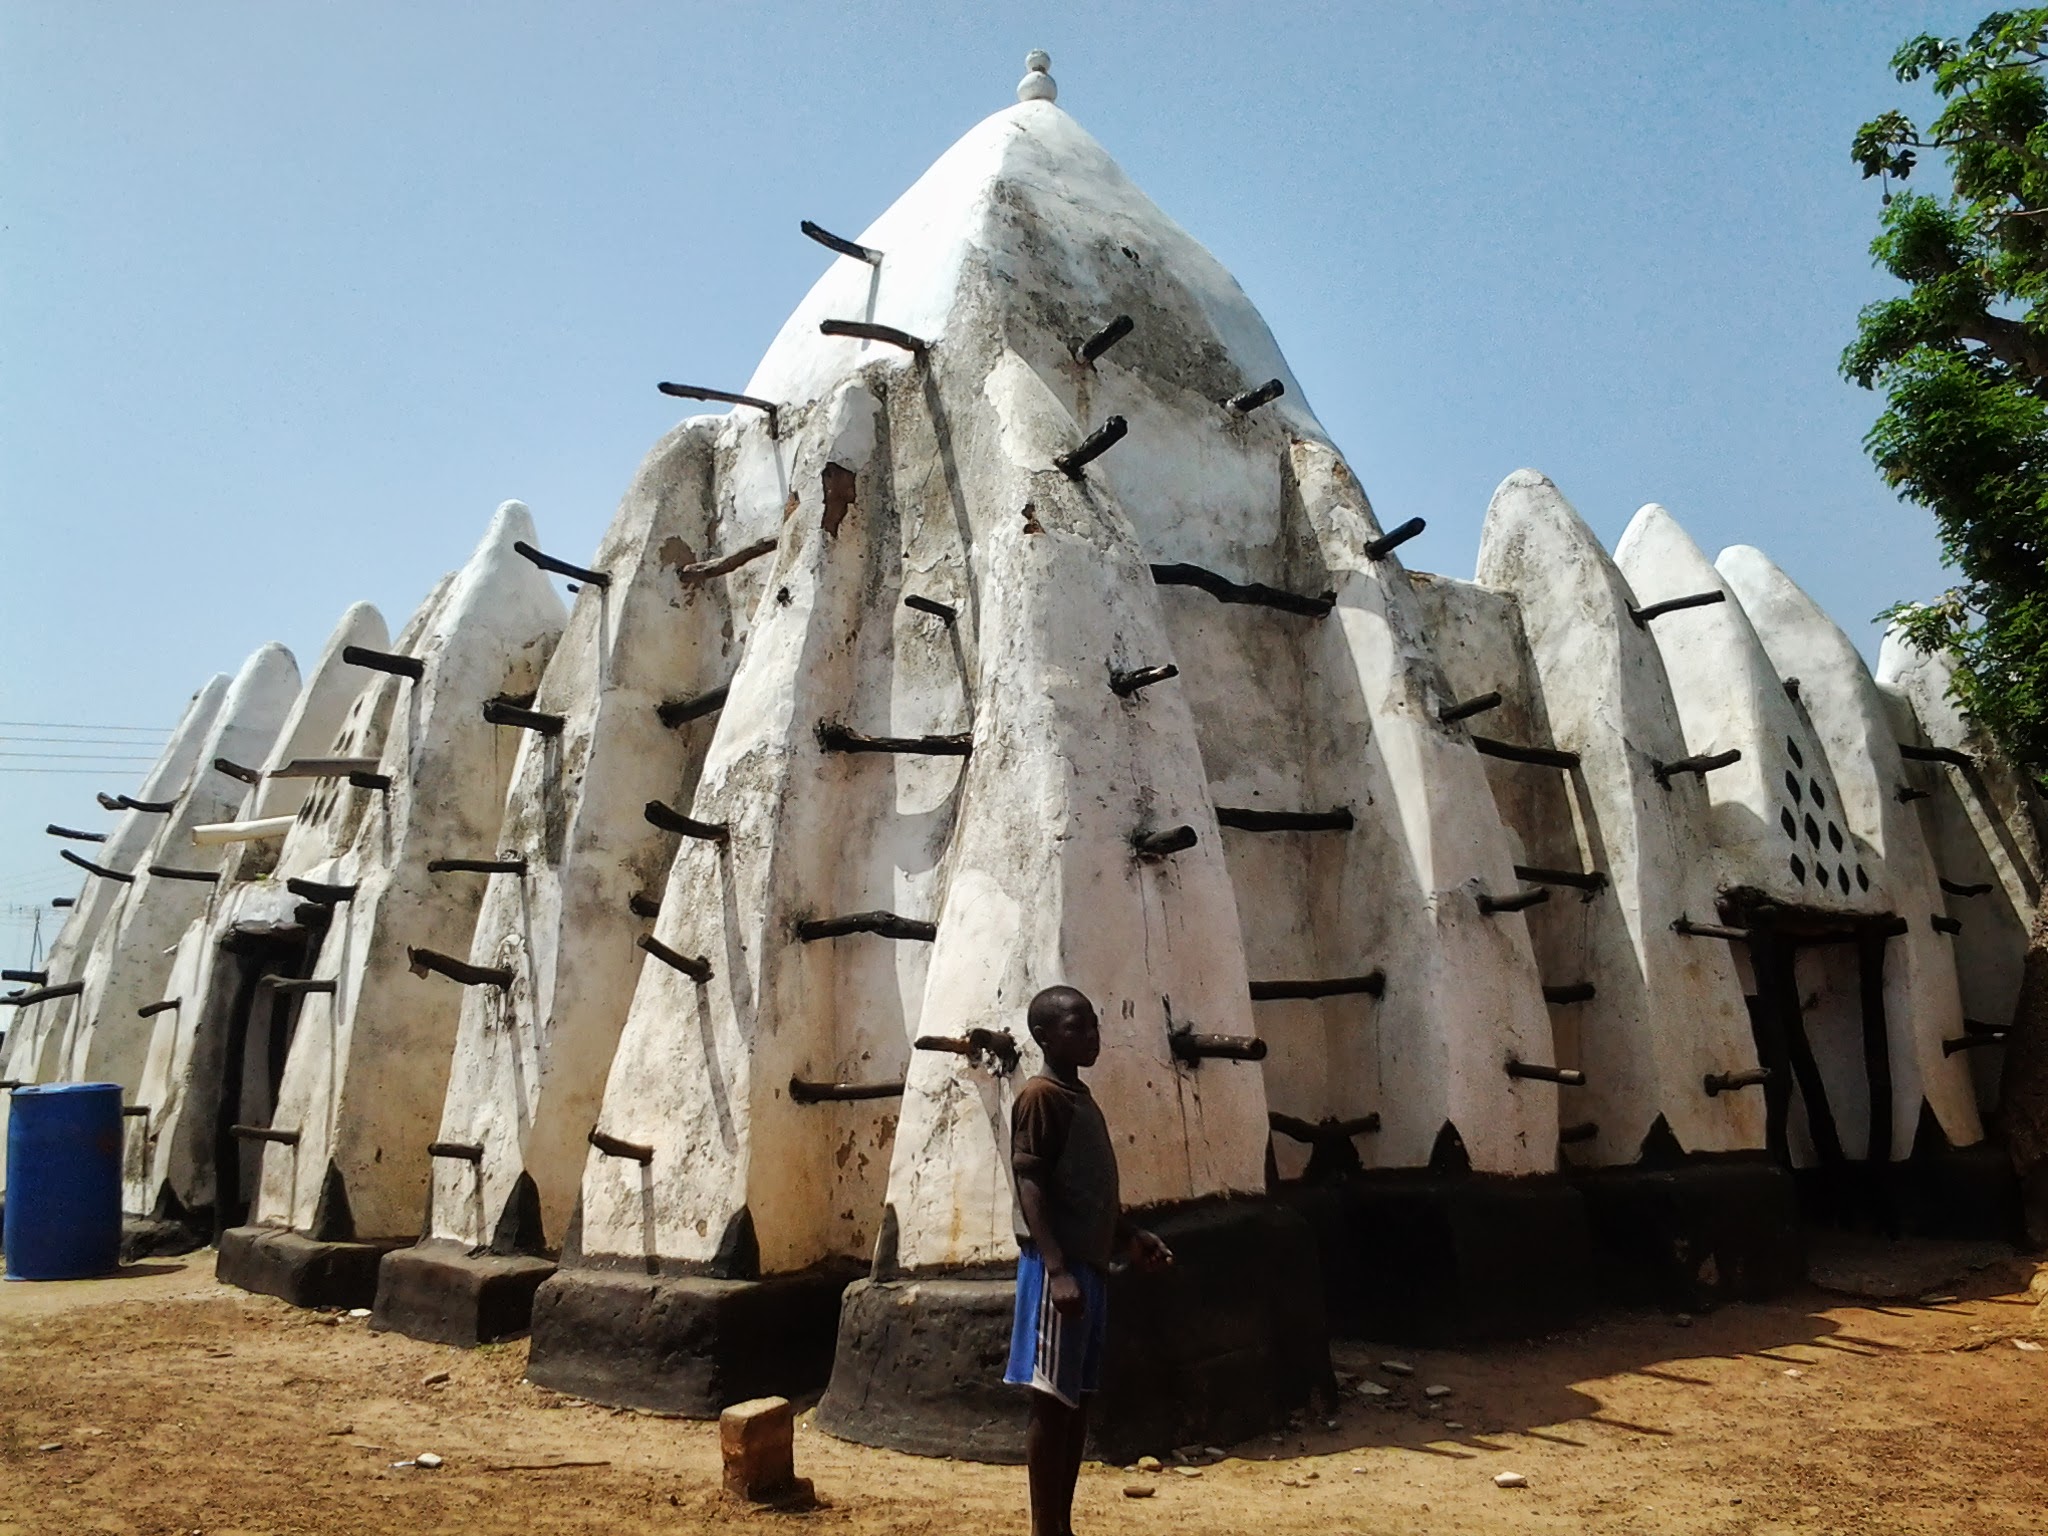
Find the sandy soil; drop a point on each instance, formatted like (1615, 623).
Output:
(162, 1402)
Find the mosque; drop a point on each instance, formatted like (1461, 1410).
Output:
(649, 974)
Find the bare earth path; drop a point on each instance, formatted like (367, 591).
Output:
(177, 1405)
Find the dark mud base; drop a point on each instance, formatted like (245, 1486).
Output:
(274, 1262)
(1694, 1236)
(1216, 1349)
(687, 1345)
(441, 1292)
(1963, 1193)
(1421, 1258)
(147, 1237)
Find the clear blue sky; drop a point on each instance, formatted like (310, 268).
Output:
(292, 296)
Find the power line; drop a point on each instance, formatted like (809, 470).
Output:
(52, 725)
(77, 741)
(104, 773)
(83, 757)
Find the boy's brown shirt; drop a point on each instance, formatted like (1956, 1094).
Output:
(1059, 1140)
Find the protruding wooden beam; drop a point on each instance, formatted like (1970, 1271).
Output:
(320, 891)
(33, 978)
(834, 737)
(302, 986)
(696, 967)
(867, 330)
(457, 1151)
(1127, 684)
(996, 1047)
(1514, 901)
(1564, 1077)
(94, 869)
(1585, 1130)
(1942, 923)
(324, 768)
(546, 562)
(1717, 1083)
(1257, 594)
(1906, 794)
(425, 960)
(724, 397)
(74, 834)
(239, 771)
(640, 904)
(410, 667)
(1091, 447)
(130, 803)
(887, 925)
(1971, 1042)
(498, 712)
(1157, 845)
(63, 901)
(945, 613)
(721, 565)
(1642, 616)
(1244, 404)
(681, 711)
(1956, 889)
(839, 243)
(612, 1146)
(1571, 992)
(1515, 752)
(659, 815)
(196, 876)
(1575, 879)
(802, 1092)
(1103, 340)
(1693, 930)
(1192, 1050)
(1949, 755)
(164, 1005)
(1699, 765)
(476, 866)
(1246, 819)
(1372, 984)
(264, 1133)
(1465, 709)
(44, 994)
(1393, 539)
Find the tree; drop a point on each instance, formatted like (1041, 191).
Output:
(1962, 358)
(1962, 361)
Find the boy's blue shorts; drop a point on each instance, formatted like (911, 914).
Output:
(1048, 1351)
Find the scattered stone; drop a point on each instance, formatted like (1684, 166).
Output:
(1148, 1464)
(328, 1321)
(358, 1311)
(1189, 1471)
(341, 1429)
(757, 1440)
(1439, 1390)
(1329, 1423)
(51, 1445)
(1452, 1424)
(1937, 1301)
(433, 1378)
(1213, 1452)
(1372, 1389)
(1397, 1367)
(1137, 1490)
(2028, 1345)
(427, 1459)
(1510, 1480)
(1794, 1372)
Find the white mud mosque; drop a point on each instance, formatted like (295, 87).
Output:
(650, 974)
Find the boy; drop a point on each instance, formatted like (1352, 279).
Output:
(1070, 1224)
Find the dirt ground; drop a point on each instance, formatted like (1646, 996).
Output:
(163, 1402)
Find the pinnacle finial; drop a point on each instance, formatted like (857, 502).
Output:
(1037, 84)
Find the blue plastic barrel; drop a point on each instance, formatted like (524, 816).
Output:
(63, 1181)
